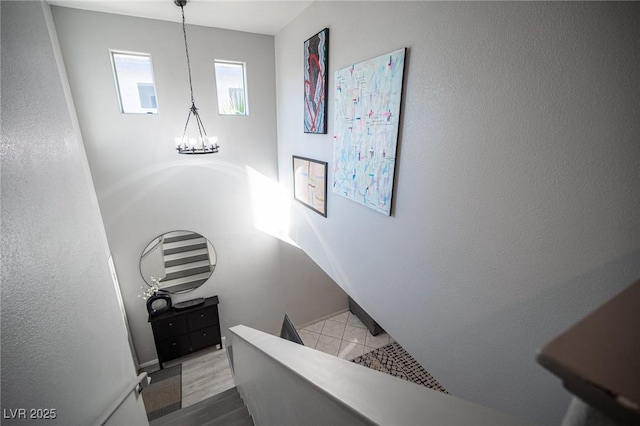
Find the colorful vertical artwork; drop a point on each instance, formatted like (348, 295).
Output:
(367, 117)
(315, 82)
(310, 183)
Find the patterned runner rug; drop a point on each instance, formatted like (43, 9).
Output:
(393, 359)
(164, 393)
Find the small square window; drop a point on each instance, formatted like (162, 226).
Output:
(231, 88)
(133, 74)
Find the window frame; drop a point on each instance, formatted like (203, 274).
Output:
(244, 82)
(113, 52)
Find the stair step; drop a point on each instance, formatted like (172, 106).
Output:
(176, 248)
(230, 417)
(184, 283)
(207, 414)
(176, 417)
(187, 265)
(171, 237)
(245, 421)
(187, 270)
(229, 393)
(189, 257)
(184, 243)
(225, 408)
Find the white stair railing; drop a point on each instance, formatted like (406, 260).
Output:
(288, 384)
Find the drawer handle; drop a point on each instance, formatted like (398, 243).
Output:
(204, 334)
(170, 324)
(174, 343)
(201, 315)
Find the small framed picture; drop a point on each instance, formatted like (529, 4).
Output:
(310, 183)
(316, 51)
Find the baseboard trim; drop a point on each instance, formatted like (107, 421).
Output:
(323, 318)
(150, 363)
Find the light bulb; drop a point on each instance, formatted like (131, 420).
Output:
(213, 141)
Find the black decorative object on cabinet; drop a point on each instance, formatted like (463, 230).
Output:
(179, 333)
(189, 304)
(158, 303)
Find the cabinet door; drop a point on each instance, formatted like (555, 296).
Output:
(205, 337)
(173, 347)
(203, 318)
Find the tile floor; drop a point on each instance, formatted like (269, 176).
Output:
(342, 335)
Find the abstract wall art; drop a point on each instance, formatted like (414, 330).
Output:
(316, 51)
(310, 183)
(367, 118)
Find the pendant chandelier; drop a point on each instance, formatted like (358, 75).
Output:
(201, 143)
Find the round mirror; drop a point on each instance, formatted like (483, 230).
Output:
(179, 261)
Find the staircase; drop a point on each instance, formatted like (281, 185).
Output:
(224, 409)
(186, 260)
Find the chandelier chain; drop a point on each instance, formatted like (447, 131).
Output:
(186, 48)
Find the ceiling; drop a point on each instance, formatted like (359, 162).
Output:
(261, 17)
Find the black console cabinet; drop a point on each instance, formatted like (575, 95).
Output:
(179, 333)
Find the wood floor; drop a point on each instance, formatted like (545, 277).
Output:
(207, 373)
(204, 374)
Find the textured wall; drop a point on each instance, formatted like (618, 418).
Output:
(145, 188)
(516, 208)
(64, 344)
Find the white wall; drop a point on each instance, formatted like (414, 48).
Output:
(516, 206)
(64, 343)
(145, 188)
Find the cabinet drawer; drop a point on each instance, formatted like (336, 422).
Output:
(173, 348)
(203, 318)
(169, 327)
(205, 337)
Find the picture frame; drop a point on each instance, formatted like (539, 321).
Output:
(310, 183)
(316, 55)
(367, 99)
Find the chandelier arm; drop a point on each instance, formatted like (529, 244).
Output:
(201, 128)
(184, 133)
